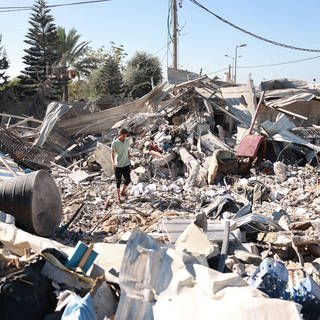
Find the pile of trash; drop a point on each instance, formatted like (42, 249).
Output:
(223, 208)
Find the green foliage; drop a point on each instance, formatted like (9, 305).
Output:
(4, 65)
(118, 53)
(42, 40)
(94, 59)
(142, 71)
(85, 64)
(69, 63)
(79, 90)
(13, 82)
(15, 86)
(69, 47)
(108, 80)
(72, 53)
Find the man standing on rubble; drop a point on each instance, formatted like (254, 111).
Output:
(121, 162)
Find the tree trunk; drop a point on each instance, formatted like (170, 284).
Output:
(65, 96)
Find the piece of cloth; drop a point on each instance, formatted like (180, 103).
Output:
(121, 149)
(27, 294)
(125, 172)
(80, 309)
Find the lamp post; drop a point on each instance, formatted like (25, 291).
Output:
(235, 60)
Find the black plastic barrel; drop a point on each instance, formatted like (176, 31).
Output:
(34, 201)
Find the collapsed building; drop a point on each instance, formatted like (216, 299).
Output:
(223, 208)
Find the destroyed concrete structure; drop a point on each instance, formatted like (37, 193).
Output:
(223, 209)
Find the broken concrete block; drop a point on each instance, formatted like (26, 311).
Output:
(248, 257)
(193, 240)
(140, 170)
(103, 301)
(191, 164)
(280, 171)
(78, 176)
(164, 159)
(103, 157)
(192, 179)
(221, 160)
(134, 177)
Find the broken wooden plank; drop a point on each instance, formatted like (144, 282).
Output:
(65, 152)
(19, 123)
(290, 113)
(7, 166)
(19, 117)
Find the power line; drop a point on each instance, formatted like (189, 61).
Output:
(75, 3)
(169, 22)
(251, 33)
(19, 7)
(14, 9)
(224, 69)
(278, 64)
(266, 65)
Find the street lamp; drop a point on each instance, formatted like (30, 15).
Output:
(235, 60)
(232, 58)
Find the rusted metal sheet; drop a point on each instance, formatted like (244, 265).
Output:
(252, 146)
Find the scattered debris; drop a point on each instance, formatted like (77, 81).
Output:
(223, 206)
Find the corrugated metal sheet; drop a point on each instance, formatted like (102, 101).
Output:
(55, 111)
(286, 136)
(307, 133)
(235, 98)
(282, 84)
(102, 121)
(239, 110)
(283, 93)
(144, 274)
(288, 97)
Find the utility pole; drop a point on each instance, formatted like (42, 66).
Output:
(175, 34)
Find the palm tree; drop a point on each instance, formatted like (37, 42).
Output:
(70, 51)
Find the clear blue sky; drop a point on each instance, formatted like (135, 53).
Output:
(204, 40)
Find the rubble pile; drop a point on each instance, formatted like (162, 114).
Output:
(223, 209)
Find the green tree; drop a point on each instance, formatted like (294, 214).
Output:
(117, 51)
(108, 80)
(4, 65)
(70, 62)
(93, 59)
(142, 72)
(42, 39)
